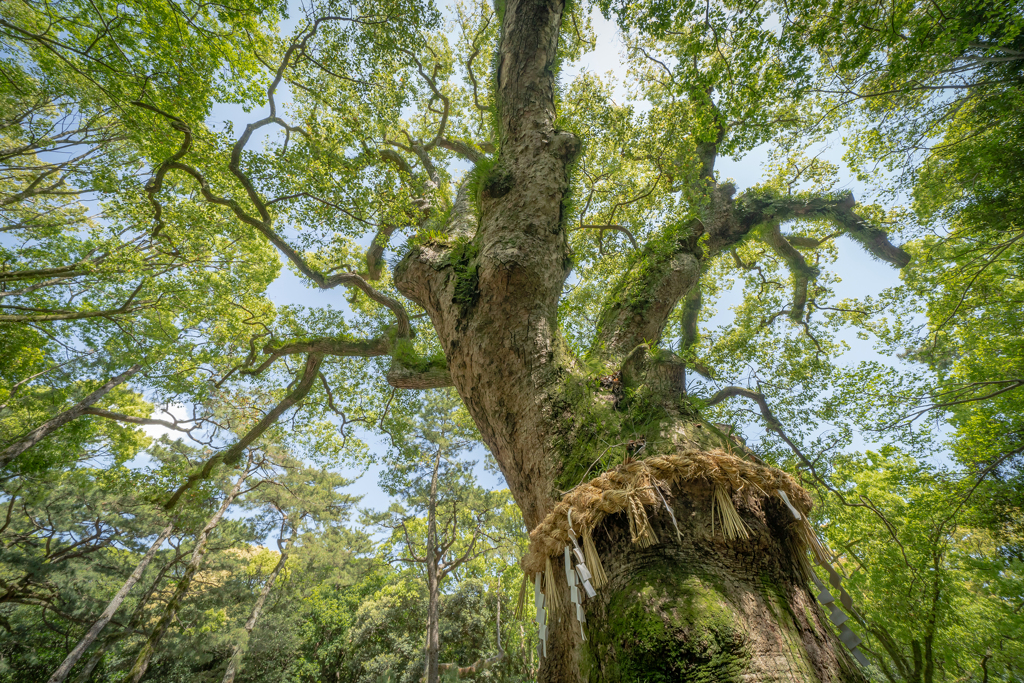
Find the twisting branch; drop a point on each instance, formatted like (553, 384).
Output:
(873, 239)
(638, 306)
(397, 159)
(231, 455)
(472, 57)
(328, 346)
(404, 327)
(802, 272)
(463, 149)
(437, 95)
(264, 223)
(156, 183)
(734, 219)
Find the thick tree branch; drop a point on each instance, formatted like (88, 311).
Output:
(798, 267)
(734, 219)
(463, 149)
(402, 377)
(131, 419)
(264, 222)
(639, 305)
(369, 348)
(691, 316)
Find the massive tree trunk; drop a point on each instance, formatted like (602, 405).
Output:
(708, 609)
(695, 607)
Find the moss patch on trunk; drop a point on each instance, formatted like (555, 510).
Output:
(667, 626)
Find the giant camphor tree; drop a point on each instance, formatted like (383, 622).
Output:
(553, 250)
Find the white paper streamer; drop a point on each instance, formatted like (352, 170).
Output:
(538, 603)
(785, 499)
(850, 639)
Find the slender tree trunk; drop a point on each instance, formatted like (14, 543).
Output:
(55, 423)
(110, 639)
(86, 672)
(433, 581)
(64, 669)
(138, 670)
(238, 649)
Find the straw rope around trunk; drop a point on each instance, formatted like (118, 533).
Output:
(632, 486)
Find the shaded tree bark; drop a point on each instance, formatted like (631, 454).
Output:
(706, 608)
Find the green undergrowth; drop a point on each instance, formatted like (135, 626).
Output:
(463, 259)
(405, 352)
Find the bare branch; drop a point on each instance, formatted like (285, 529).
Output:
(617, 228)
(774, 425)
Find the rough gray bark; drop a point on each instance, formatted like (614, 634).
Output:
(238, 649)
(55, 423)
(138, 669)
(69, 662)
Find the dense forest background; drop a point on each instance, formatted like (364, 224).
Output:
(141, 295)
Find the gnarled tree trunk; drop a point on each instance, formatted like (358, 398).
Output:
(703, 608)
